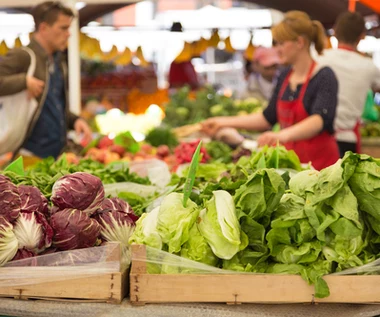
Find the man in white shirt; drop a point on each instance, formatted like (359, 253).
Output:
(262, 80)
(356, 75)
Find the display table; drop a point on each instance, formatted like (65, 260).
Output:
(10, 307)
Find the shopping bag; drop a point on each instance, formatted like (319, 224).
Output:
(16, 114)
(370, 112)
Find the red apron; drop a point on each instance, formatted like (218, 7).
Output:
(356, 128)
(321, 150)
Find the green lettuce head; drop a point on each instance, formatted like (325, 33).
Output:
(146, 230)
(175, 221)
(197, 248)
(219, 225)
(303, 182)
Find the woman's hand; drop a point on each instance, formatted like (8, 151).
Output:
(254, 122)
(303, 130)
(272, 138)
(212, 125)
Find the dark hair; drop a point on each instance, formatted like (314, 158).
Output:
(48, 12)
(349, 27)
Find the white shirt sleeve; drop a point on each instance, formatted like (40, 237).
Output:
(376, 78)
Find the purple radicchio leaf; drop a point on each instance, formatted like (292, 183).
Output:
(79, 190)
(32, 200)
(74, 229)
(10, 202)
(115, 203)
(47, 232)
(33, 232)
(23, 254)
(53, 210)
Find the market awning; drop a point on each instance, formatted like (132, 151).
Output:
(325, 11)
(93, 9)
(373, 4)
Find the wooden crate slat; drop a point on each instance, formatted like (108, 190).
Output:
(244, 288)
(99, 287)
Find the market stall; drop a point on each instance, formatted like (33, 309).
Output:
(155, 213)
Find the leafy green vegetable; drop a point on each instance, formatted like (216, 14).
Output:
(303, 182)
(45, 173)
(16, 167)
(260, 195)
(136, 202)
(254, 257)
(146, 230)
(275, 157)
(209, 171)
(127, 141)
(175, 221)
(162, 136)
(191, 174)
(219, 151)
(219, 225)
(197, 248)
(183, 109)
(365, 183)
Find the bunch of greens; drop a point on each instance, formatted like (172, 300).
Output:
(219, 151)
(182, 109)
(45, 173)
(162, 136)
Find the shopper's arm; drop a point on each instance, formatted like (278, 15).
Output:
(13, 68)
(376, 79)
(253, 122)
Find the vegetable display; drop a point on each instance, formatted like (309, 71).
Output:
(266, 213)
(77, 216)
(282, 218)
(370, 129)
(183, 109)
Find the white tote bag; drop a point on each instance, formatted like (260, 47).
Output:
(16, 113)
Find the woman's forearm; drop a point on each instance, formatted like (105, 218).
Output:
(253, 122)
(306, 129)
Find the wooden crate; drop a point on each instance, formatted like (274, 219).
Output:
(243, 288)
(97, 287)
